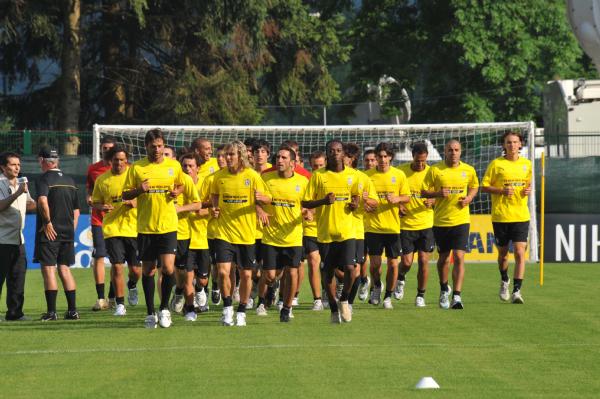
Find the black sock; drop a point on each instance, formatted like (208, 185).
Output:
(261, 301)
(421, 293)
(188, 308)
(455, 292)
(205, 288)
(504, 275)
(120, 300)
(517, 284)
(296, 294)
(100, 290)
(388, 294)
(111, 291)
(131, 284)
(353, 291)
(215, 286)
(285, 310)
(198, 287)
(178, 291)
(168, 282)
(444, 286)
(377, 284)
(148, 284)
(401, 276)
(227, 301)
(71, 300)
(317, 298)
(364, 280)
(333, 306)
(51, 300)
(241, 308)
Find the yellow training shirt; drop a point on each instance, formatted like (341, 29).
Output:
(500, 173)
(199, 224)
(285, 223)
(122, 220)
(237, 219)
(208, 168)
(156, 208)
(364, 185)
(189, 195)
(459, 179)
(386, 219)
(418, 216)
(335, 222)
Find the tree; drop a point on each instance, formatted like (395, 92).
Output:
(468, 60)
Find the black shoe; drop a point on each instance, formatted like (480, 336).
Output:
(284, 317)
(50, 316)
(71, 315)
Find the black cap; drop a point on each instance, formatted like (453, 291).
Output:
(48, 153)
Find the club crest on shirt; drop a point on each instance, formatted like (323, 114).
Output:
(247, 182)
(350, 181)
(211, 169)
(524, 168)
(171, 172)
(464, 174)
(297, 188)
(393, 179)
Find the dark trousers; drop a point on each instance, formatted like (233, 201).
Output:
(13, 267)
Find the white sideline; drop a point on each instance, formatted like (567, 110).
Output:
(287, 346)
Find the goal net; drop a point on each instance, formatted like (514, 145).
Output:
(480, 144)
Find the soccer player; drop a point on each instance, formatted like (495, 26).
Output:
(282, 237)
(508, 180)
(251, 144)
(211, 232)
(99, 252)
(208, 164)
(382, 226)
(235, 192)
(453, 184)
(14, 202)
(119, 227)
(156, 181)
(367, 203)
(261, 153)
(187, 202)
(58, 212)
(334, 192)
(416, 223)
(309, 241)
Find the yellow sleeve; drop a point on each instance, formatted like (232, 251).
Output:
(474, 182)
(429, 180)
(97, 193)
(310, 192)
(130, 181)
(489, 176)
(190, 191)
(405, 187)
(205, 190)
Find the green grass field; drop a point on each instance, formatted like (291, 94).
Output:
(549, 347)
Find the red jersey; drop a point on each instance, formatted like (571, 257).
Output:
(297, 169)
(95, 170)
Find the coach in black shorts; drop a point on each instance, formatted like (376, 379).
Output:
(58, 211)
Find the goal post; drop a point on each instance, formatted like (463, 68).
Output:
(480, 142)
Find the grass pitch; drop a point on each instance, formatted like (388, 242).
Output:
(549, 347)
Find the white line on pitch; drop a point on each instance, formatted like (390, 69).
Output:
(286, 346)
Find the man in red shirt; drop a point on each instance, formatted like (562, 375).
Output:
(299, 162)
(99, 252)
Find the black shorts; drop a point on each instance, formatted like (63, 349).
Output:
(121, 250)
(417, 240)
(453, 237)
(212, 250)
(53, 253)
(243, 255)
(99, 250)
(360, 252)
(378, 242)
(309, 244)
(338, 254)
(259, 253)
(151, 246)
(198, 260)
(507, 232)
(275, 258)
(181, 257)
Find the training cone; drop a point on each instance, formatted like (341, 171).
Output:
(427, 383)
